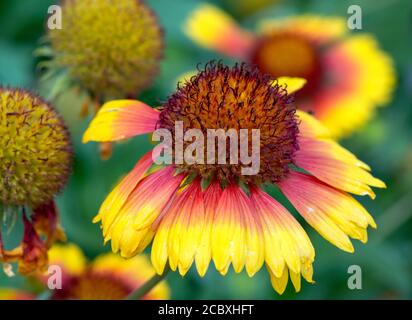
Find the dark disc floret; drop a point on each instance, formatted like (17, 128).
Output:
(239, 97)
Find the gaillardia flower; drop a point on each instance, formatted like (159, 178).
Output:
(111, 48)
(108, 277)
(348, 75)
(195, 213)
(35, 162)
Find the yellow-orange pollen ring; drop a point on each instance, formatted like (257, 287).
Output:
(288, 54)
(241, 97)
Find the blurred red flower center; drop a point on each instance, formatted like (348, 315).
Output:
(288, 55)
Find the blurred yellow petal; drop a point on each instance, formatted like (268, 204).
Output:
(185, 77)
(292, 84)
(213, 29)
(315, 27)
(364, 79)
(69, 257)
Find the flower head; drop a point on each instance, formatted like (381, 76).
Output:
(35, 162)
(108, 277)
(210, 212)
(35, 147)
(348, 75)
(111, 48)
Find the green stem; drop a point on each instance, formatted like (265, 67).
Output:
(394, 217)
(149, 285)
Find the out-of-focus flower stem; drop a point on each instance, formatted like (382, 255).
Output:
(394, 217)
(149, 285)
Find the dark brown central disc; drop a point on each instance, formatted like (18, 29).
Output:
(239, 97)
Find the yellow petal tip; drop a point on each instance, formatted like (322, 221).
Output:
(292, 84)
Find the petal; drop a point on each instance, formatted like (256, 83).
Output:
(285, 240)
(34, 256)
(69, 257)
(377, 76)
(310, 127)
(132, 223)
(147, 206)
(212, 28)
(319, 29)
(279, 283)
(204, 252)
(186, 76)
(117, 198)
(159, 253)
(292, 84)
(363, 78)
(336, 166)
(295, 277)
(334, 214)
(255, 253)
(125, 238)
(307, 272)
(229, 230)
(121, 119)
(187, 228)
(46, 223)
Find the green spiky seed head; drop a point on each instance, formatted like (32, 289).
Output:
(112, 47)
(35, 149)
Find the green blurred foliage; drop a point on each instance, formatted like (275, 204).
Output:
(385, 143)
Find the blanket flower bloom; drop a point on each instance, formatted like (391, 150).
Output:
(195, 213)
(35, 162)
(107, 277)
(348, 75)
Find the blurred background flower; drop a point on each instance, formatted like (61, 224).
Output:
(111, 49)
(35, 163)
(348, 76)
(383, 143)
(106, 50)
(107, 277)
